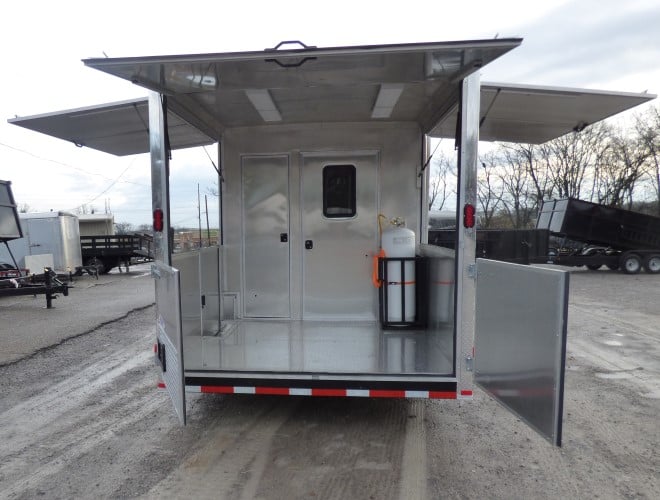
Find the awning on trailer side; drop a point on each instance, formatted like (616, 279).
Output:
(536, 114)
(120, 128)
(208, 93)
(510, 113)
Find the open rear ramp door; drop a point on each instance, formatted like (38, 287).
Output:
(520, 341)
(170, 338)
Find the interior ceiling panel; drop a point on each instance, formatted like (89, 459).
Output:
(309, 85)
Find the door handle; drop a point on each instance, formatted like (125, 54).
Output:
(309, 244)
(284, 238)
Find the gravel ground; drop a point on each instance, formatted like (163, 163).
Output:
(82, 419)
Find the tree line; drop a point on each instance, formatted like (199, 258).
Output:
(605, 163)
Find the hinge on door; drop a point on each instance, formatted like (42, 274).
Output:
(469, 363)
(472, 271)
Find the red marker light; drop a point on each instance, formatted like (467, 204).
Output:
(469, 216)
(158, 220)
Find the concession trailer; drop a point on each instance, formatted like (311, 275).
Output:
(322, 282)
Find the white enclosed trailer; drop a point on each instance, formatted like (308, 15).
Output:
(49, 238)
(313, 145)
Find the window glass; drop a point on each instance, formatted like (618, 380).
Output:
(339, 191)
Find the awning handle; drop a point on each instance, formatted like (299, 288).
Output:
(289, 42)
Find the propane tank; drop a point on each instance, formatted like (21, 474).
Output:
(399, 241)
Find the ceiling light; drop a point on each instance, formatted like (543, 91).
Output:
(263, 103)
(387, 98)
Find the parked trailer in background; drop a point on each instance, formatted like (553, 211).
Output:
(50, 239)
(521, 246)
(602, 236)
(13, 281)
(324, 154)
(106, 252)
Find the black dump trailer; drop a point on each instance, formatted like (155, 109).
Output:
(594, 235)
(520, 246)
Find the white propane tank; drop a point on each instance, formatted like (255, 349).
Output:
(398, 241)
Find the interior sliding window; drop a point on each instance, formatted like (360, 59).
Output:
(339, 191)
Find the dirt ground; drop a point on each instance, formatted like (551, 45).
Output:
(83, 420)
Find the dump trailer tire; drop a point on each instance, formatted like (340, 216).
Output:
(652, 263)
(613, 267)
(631, 263)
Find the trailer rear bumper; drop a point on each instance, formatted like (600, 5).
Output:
(372, 388)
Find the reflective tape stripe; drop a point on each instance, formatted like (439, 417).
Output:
(465, 394)
(322, 392)
(417, 394)
(329, 392)
(358, 393)
(442, 394)
(299, 392)
(387, 394)
(280, 391)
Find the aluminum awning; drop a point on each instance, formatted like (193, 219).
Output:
(402, 83)
(209, 93)
(120, 128)
(536, 114)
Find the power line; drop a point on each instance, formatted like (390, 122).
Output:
(114, 181)
(68, 165)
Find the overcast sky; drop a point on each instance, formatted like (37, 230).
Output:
(602, 44)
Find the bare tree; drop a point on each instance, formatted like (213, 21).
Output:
(442, 181)
(569, 158)
(123, 227)
(23, 208)
(621, 165)
(647, 127)
(519, 200)
(539, 171)
(489, 189)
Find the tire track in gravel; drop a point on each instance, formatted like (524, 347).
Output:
(231, 458)
(63, 406)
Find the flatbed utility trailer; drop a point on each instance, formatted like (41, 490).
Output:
(601, 235)
(318, 148)
(105, 252)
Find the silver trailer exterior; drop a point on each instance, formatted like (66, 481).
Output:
(315, 144)
(47, 233)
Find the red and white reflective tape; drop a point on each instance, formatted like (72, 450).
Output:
(293, 391)
(465, 394)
